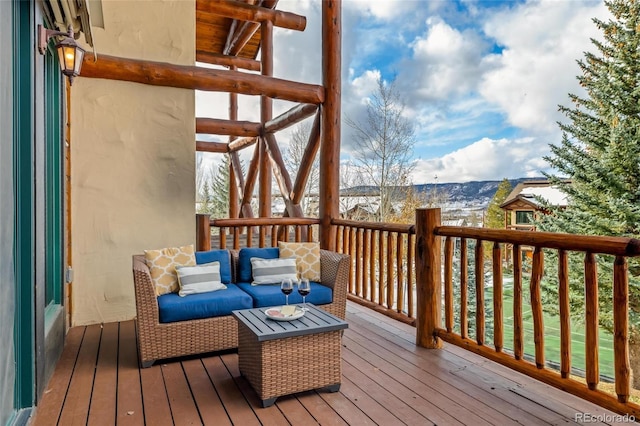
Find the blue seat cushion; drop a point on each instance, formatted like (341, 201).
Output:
(202, 305)
(244, 260)
(270, 294)
(221, 256)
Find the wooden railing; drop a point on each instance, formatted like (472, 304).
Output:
(383, 265)
(250, 232)
(431, 284)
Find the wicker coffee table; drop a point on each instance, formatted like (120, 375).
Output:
(284, 357)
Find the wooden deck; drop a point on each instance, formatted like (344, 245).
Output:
(387, 380)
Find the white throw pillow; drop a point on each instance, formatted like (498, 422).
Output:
(273, 271)
(199, 278)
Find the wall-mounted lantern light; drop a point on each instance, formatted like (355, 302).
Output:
(70, 55)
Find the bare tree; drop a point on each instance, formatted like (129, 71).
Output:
(384, 141)
(297, 146)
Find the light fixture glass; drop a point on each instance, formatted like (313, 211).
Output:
(70, 55)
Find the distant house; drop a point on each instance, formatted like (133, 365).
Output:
(522, 206)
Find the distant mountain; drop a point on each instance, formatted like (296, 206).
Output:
(476, 192)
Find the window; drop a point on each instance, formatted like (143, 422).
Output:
(524, 217)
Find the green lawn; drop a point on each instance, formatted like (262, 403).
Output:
(552, 335)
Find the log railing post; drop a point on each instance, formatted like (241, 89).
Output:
(428, 278)
(203, 232)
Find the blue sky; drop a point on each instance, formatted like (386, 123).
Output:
(482, 80)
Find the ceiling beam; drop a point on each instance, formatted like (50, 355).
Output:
(289, 118)
(227, 60)
(247, 12)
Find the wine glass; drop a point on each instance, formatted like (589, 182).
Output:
(287, 288)
(304, 288)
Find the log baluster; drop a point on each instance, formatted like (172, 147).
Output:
(359, 261)
(479, 260)
(536, 305)
(381, 292)
(518, 337)
(389, 259)
(366, 261)
(448, 284)
(497, 297)
(262, 238)
(372, 266)
(399, 273)
(565, 314)
(410, 276)
(223, 237)
(621, 328)
(591, 321)
(464, 298)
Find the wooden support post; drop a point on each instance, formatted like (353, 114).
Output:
(203, 232)
(266, 114)
(428, 278)
(282, 176)
(331, 116)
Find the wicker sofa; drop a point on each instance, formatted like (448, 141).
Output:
(158, 340)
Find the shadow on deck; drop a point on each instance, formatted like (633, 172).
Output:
(386, 380)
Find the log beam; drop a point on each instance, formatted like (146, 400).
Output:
(234, 188)
(247, 12)
(306, 164)
(289, 118)
(238, 176)
(330, 148)
(217, 147)
(199, 78)
(283, 178)
(240, 143)
(249, 184)
(217, 126)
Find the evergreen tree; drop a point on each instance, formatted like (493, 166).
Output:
(220, 189)
(495, 215)
(204, 206)
(600, 154)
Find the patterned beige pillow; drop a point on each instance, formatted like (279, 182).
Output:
(307, 255)
(162, 264)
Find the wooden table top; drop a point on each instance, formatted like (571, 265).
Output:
(313, 321)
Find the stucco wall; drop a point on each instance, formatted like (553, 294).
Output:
(132, 158)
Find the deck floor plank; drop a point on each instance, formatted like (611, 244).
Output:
(321, 411)
(181, 402)
(238, 409)
(76, 407)
(129, 409)
(51, 405)
(387, 380)
(463, 392)
(207, 400)
(270, 415)
(103, 399)
(154, 398)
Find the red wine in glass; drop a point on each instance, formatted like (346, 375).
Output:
(287, 288)
(304, 288)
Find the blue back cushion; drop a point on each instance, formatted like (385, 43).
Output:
(270, 294)
(202, 305)
(244, 260)
(221, 256)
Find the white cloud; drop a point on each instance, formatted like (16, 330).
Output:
(486, 159)
(537, 67)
